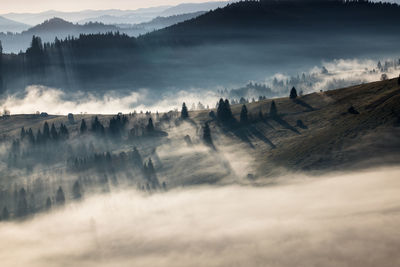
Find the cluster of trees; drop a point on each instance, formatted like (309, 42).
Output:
(46, 135)
(118, 127)
(224, 112)
(25, 203)
(36, 148)
(105, 162)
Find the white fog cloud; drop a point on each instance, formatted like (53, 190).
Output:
(341, 220)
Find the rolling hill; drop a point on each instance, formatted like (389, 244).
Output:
(313, 133)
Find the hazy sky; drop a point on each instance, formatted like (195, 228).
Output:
(75, 5)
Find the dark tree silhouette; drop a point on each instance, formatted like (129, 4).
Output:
(53, 132)
(22, 206)
(97, 127)
(273, 112)
(398, 80)
(150, 173)
(184, 112)
(207, 134)
(76, 190)
(64, 134)
(60, 198)
(23, 134)
(31, 137)
(48, 203)
(5, 215)
(243, 115)
(83, 128)
(293, 93)
(46, 132)
(224, 112)
(150, 126)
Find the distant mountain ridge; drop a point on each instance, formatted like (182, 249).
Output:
(57, 27)
(7, 25)
(115, 16)
(228, 46)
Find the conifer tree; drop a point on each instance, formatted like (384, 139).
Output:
(150, 126)
(83, 127)
(48, 203)
(53, 132)
(293, 93)
(23, 134)
(64, 134)
(243, 115)
(207, 134)
(5, 215)
(60, 198)
(273, 111)
(184, 112)
(22, 206)
(76, 190)
(39, 137)
(31, 137)
(46, 132)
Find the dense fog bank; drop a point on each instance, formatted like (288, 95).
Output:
(340, 220)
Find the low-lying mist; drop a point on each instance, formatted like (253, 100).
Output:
(329, 75)
(338, 220)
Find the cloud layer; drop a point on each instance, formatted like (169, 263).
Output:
(341, 220)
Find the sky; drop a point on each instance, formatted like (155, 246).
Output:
(20, 6)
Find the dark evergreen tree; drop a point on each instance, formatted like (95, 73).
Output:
(97, 127)
(48, 203)
(224, 112)
(150, 126)
(136, 157)
(83, 128)
(273, 112)
(31, 137)
(5, 215)
(60, 198)
(39, 137)
(243, 114)
(150, 174)
(53, 132)
(64, 134)
(76, 190)
(46, 132)
(207, 134)
(228, 110)
(23, 133)
(184, 112)
(293, 93)
(22, 206)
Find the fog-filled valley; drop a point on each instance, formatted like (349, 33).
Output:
(240, 133)
(241, 42)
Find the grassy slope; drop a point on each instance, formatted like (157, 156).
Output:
(334, 139)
